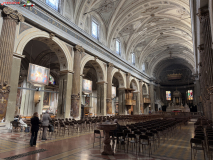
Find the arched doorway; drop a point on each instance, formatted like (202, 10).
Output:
(94, 99)
(46, 52)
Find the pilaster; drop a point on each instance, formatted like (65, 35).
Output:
(7, 39)
(109, 88)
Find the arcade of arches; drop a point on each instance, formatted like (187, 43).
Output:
(90, 58)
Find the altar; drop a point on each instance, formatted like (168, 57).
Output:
(176, 105)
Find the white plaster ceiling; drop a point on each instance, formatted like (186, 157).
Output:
(149, 28)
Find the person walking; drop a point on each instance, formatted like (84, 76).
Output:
(45, 123)
(34, 129)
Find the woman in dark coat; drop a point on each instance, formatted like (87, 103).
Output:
(34, 129)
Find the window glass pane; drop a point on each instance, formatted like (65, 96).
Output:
(190, 95)
(94, 29)
(53, 3)
(143, 67)
(118, 47)
(168, 95)
(133, 58)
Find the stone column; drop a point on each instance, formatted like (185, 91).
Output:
(151, 94)
(101, 98)
(76, 103)
(136, 109)
(7, 39)
(11, 106)
(121, 101)
(128, 75)
(210, 90)
(64, 98)
(109, 88)
(141, 97)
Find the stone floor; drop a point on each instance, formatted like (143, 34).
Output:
(80, 147)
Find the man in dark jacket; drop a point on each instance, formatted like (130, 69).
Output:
(34, 129)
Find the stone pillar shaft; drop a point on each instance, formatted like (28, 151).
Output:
(75, 98)
(64, 98)
(7, 39)
(121, 103)
(109, 88)
(101, 99)
(141, 97)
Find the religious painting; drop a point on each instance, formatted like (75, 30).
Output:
(38, 74)
(87, 101)
(46, 99)
(168, 95)
(87, 86)
(51, 80)
(190, 95)
(3, 104)
(113, 92)
(18, 98)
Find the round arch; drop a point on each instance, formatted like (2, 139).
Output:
(119, 76)
(145, 89)
(97, 64)
(134, 83)
(56, 45)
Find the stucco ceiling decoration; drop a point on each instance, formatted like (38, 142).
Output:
(147, 28)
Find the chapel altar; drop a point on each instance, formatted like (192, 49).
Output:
(176, 104)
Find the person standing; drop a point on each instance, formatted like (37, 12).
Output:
(45, 123)
(34, 129)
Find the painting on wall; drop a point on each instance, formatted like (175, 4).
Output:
(113, 92)
(46, 99)
(168, 95)
(38, 75)
(190, 95)
(87, 101)
(87, 86)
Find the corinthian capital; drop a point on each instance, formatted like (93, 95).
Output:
(13, 14)
(79, 48)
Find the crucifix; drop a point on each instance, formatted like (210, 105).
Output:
(3, 100)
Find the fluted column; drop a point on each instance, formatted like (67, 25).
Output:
(210, 90)
(101, 98)
(64, 98)
(75, 98)
(206, 55)
(121, 101)
(141, 97)
(109, 88)
(136, 109)
(151, 94)
(7, 39)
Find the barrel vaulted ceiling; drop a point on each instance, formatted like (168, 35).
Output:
(152, 29)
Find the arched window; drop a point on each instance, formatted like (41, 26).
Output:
(118, 47)
(133, 59)
(51, 80)
(95, 29)
(143, 67)
(53, 3)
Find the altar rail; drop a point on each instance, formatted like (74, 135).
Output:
(180, 114)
